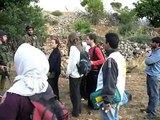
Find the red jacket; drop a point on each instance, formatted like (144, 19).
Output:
(97, 57)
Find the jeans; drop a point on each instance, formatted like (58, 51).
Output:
(111, 114)
(153, 94)
(124, 99)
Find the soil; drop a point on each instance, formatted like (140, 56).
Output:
(135, 84)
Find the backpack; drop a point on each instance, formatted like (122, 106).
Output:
(84, 65)
(47, 107)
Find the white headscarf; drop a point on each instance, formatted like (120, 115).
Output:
(31, 67)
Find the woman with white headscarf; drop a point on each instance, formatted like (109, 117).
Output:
(31, 67)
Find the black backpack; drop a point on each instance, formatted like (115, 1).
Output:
(84, 65)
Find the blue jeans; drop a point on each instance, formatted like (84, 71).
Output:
(111, 114)
(124, 99)
(153, 94)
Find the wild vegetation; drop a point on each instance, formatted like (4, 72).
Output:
(16, 14)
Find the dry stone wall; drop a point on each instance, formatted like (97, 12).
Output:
(129, 49)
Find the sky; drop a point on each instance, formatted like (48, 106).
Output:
(74, 5)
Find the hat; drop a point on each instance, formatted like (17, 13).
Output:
(156, 39)
(28, 27)
(2, 33)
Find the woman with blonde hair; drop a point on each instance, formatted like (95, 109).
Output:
(74, 47)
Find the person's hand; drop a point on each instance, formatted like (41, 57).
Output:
(106, 107)
(3, 68)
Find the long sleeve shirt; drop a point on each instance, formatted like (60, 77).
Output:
(110, 74)
(96, 56)
(55, 61)
(153, 63)
(16, 107)
(74, 58)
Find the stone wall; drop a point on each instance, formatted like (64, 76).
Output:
(130, 50)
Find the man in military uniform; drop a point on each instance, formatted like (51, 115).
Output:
(5, 58)
(30, 37)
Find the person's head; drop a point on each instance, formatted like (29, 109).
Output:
(91, 39)
(31, 66)
(29, 60)
(54, 41)
(155, 42)
(30, 30)
(3, 36)
(111, 41)
(73, 39)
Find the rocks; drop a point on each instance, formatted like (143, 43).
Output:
(131, 50)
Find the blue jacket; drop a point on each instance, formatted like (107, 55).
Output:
(153, 64)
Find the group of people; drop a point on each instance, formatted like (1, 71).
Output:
(108, 72)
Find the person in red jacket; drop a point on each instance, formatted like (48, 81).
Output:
(97, 59)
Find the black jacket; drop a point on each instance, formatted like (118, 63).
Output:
(110, 74)
(55, 61)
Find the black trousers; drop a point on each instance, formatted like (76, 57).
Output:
(91, 85)
(74, 86)
(54, 84)
(83, 90)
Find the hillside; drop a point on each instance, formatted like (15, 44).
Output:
(135, 81)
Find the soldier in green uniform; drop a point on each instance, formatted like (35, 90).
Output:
(5, 58)
(30, 37)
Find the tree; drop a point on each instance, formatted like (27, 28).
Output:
(15, 16)
(116, 5)
(150, 10)
(94, 8)
(4, 3)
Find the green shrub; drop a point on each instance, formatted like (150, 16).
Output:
(57, 13)
(124, 29)
(82, 26)
(116, 5)
(95, 9)
(54, 22)
(140, 38)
